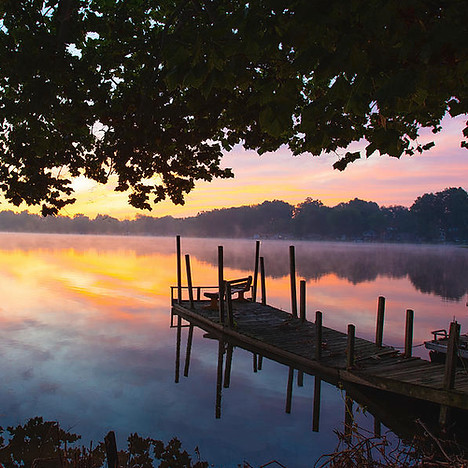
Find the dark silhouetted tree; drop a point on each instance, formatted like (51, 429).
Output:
(443, 215)
(311, 219)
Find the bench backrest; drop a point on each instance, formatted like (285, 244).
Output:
(241, 284)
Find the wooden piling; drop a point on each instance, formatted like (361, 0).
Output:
(409, 333)
(188, 350)
(189, 280)
(380, 322)
(221, 283)
(350, 346)
(255, 362)
(230, 314)
(451, 358)
(255, 278)
(111, 450)
(179, 271)
(318, 335)
(263, 280)
(292, 275)
(289, 390)
(450, 369)
(316, 406)
(302, 300)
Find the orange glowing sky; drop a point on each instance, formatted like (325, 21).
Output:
(279, 175)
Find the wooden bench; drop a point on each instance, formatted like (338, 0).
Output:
(238, 286)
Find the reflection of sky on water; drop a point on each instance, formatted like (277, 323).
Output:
(85, 340)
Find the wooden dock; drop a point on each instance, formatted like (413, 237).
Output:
(279, 335)
(312, 348)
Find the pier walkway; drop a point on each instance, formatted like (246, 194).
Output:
(281, 336)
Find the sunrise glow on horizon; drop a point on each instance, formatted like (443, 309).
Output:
(282, 176)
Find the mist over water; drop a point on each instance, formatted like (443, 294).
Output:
(438, 270)
(85, 336)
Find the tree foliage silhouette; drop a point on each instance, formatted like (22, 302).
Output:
(153, 92)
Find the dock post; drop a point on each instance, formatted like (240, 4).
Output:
(179, 271)
(260, 362)
(318, 335)
(316, 407)
(292, 274)
(262, 279)
(409, 333)
(188, 350)
(255, 362)
(289, 390)
(302, 300)
(189, 280)
(380, 322)
(221, 283)
(451, 358)
(230, 315)
(450, 369)
(255, 278)
(350, 346)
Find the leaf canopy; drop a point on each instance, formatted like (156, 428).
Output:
(153, 92)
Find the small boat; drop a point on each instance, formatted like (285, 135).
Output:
(438, 346)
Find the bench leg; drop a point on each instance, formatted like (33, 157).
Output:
(213, 305)
(240, 296)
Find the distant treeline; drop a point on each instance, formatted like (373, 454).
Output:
(439, 217)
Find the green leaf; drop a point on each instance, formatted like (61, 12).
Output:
(347, 159)
(428, 146)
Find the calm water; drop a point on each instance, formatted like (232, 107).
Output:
(85, 337)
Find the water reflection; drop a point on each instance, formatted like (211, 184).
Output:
(438, 270)
(85, 340)
(401, 415)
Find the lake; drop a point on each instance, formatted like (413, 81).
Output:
(85, 337)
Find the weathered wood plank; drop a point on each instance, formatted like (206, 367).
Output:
(402, 369)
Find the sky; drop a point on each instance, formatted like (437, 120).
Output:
(282, 176)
